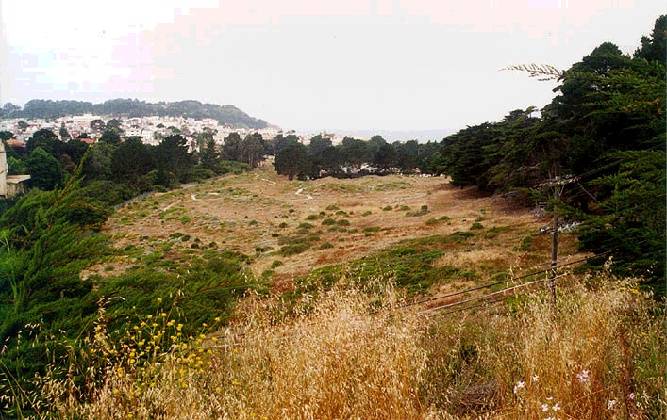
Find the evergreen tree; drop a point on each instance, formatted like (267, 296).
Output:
(45, 170)
(293, 161)
(231, 149)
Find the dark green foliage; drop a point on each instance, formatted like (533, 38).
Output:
(293, 161)
(605, 126)
(321, 158)
(231, 149)
(130, 161)
(16, 166)
(252, 149)
(224, 114)
(655, 47)
(280, 142)
(208, 287)
(631, 219)
(295, 248)
(46, 241)
(173, 161)
(210, 156)
(45, 170)
(110, 137)
(45, 139)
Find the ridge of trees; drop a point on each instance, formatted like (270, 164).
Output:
(353, 157)
(49, 109)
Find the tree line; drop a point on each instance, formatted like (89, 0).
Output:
(603, 136)
(48, 109)
(125, 167)
(353, 157)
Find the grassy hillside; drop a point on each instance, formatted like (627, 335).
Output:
(251, 296)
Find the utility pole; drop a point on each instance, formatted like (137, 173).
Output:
(558, 185)
(554, 250)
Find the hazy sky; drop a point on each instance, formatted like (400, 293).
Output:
(310, 64)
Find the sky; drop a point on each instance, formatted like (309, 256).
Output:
(310, 64)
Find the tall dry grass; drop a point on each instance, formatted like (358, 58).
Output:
(600, 355)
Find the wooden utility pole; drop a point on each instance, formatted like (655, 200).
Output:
(554, 255)
(558, 184)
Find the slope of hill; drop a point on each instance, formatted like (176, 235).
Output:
(225, 114)
(345, 324)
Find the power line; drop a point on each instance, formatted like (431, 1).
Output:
(484, 297)
(484, 286)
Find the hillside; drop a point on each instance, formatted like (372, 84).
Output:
(348, 319)
(513, 270)
(47, 109)
(292, 227)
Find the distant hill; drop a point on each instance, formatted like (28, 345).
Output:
(225, 114)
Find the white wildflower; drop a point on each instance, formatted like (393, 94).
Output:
(631, 396)
(611, 404)
(556, 407)
(545, 407)
(584, 376)
(519, 386)
(535, 378)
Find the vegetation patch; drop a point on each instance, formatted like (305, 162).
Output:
(409, 264)
(421, 212)
(477, 226)
(437, 220)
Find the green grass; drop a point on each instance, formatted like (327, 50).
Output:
(409, 264)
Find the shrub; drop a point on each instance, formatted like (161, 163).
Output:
(329, 221)
(293, 249)
(326, 245)
(371, 229)
(422, 211)
(476, 226)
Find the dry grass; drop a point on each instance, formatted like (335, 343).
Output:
(223, 208)
(601, 355)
